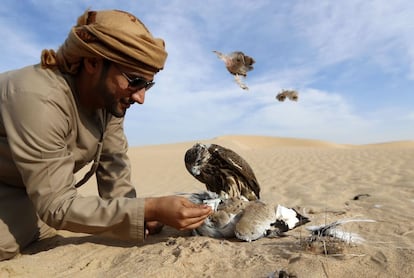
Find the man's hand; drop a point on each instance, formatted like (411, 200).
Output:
(176, 211)
(153, 227)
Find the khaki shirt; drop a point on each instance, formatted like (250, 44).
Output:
(46, 137)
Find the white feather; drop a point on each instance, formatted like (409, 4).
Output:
(332, 230)
(287, 215)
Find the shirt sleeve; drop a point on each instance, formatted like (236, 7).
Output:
(37, 125)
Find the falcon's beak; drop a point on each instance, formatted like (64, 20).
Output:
(195, 170)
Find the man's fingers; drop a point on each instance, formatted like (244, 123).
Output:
(193, 225)
(197, 211)
(187, 203)
(194, 222)
(154, 227)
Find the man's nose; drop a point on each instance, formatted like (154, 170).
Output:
(138, 96)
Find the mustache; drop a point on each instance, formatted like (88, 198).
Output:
(127, 101)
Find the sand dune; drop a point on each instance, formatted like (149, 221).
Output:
(318, 178)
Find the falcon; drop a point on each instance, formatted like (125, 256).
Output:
(290, 94)
(222, 171)
(238, 64)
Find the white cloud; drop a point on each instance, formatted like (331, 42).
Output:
(379, 31)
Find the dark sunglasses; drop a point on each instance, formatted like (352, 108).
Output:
(136, 83)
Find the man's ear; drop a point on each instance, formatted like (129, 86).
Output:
(92, 65)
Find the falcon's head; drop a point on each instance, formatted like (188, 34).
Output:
(196, 157)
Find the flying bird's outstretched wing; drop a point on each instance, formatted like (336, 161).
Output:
(222, 171)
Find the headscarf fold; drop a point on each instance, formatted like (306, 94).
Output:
(115, 35)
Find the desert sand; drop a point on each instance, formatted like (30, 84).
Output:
(324, 181)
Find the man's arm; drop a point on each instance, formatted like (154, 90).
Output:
(114, 171)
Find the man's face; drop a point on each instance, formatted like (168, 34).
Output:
(113, 102)
(116, 92)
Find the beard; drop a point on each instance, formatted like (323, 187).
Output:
(110, 102)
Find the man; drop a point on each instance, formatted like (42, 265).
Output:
(58, 116)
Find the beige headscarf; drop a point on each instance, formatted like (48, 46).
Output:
(114, 35)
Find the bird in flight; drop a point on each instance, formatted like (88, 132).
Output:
(290, 94)
(238, 64)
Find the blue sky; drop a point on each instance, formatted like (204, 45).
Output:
(352, 63)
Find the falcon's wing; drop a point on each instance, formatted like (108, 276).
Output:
(236, 163)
